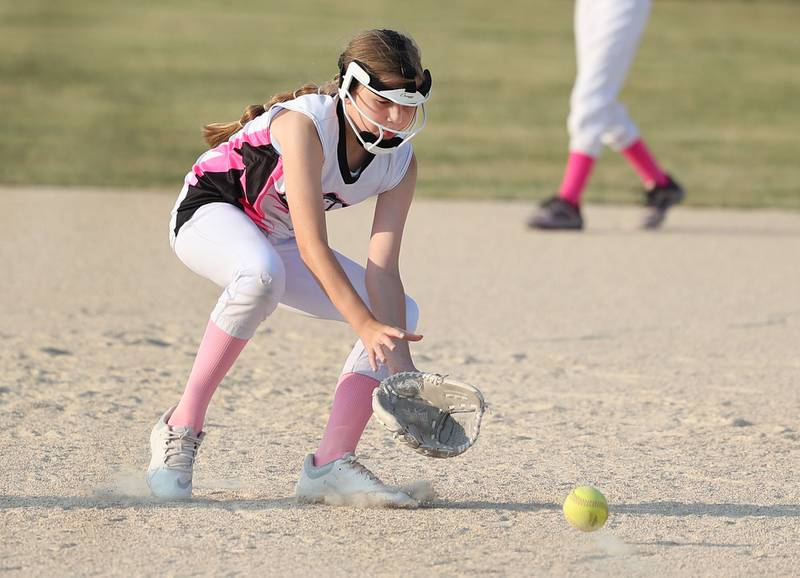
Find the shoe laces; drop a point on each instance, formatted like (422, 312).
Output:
(181, 449)
(352, 460)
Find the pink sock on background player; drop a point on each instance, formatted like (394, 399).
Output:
(216, 355)
(579, 167)
(639, 157)
(352, 408)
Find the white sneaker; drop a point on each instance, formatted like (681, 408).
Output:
(346, 482)
(173, 452)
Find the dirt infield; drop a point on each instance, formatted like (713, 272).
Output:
(662, 368)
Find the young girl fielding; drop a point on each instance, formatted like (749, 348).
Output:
(251, 218)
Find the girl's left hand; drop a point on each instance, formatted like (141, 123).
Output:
(379, 338)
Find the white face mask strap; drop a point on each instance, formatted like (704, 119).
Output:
(356, 72)
(345, 94)
(373, 147)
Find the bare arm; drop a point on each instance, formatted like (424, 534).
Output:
(302, 168)
(384, 285)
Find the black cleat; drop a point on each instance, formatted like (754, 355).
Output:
(556, 213)
(658, 199)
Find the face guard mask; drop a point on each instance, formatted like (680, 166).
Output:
(409, 95)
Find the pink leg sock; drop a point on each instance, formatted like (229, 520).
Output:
(352, 408)
(640, 159)
(216, 355)
(579, 167)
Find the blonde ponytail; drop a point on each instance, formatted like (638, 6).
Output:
(217, 133)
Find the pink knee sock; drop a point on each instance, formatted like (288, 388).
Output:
(579, 167)
(352, 408)
(216, 355)
(640, 159)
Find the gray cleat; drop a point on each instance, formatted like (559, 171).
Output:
(347, 482)
(173, 453)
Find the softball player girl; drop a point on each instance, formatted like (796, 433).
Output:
(607, 34)
(251, 218)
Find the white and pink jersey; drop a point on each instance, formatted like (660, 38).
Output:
(247, 170)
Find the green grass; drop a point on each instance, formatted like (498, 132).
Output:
(114, 94)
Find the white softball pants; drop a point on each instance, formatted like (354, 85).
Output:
(222, 244)
(607, 34)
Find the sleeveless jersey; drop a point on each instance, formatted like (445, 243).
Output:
(247, 170)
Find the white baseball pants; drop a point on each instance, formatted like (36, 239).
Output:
(607, 34)
(222, 244)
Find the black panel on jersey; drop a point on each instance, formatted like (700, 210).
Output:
(259, 163)
(226, 187)
(210, 188)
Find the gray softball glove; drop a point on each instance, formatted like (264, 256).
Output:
(435, 415)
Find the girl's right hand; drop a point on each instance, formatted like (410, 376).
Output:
(376, 336)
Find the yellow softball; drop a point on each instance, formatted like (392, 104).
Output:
(586, 508)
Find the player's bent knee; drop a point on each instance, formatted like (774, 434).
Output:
(262, 286)
(252, 295)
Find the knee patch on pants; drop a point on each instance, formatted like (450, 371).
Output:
(249, 299)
